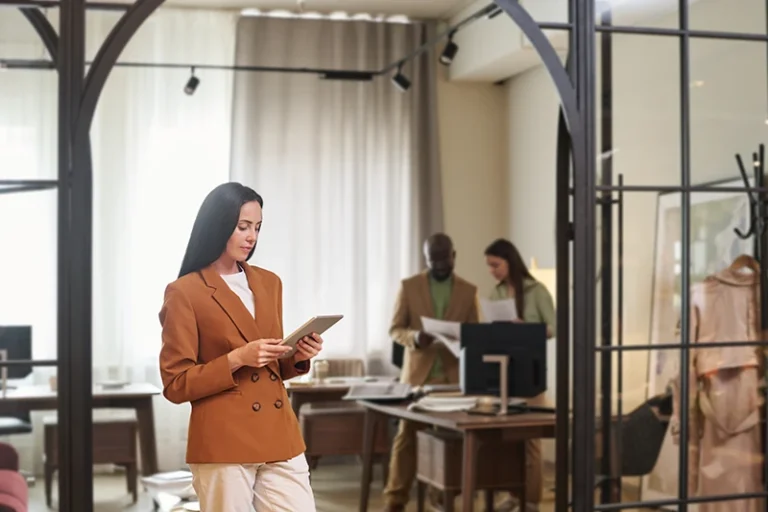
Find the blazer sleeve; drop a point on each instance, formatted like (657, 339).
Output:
(399, 329)
(289, 368)
(474, 311)
(184, 378)
(546, 308)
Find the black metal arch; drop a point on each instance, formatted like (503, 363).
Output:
(106, 58)
(44, 29)
(78, 99)
(549, 58)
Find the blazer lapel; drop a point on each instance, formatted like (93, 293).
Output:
(265, 320)
(231, 304)
(426, 296)
(454, 303)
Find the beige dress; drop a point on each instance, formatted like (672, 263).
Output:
(725, 447)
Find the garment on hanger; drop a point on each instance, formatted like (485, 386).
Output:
(725, 444)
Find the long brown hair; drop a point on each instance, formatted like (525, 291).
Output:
(517, 273)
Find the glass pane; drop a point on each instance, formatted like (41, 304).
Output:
(638, 13)
(728, 108)
(28, 271)
(745, 16)
(643, 85)
(18, 40)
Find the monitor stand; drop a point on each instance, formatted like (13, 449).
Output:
(504, 408)
(503, 381)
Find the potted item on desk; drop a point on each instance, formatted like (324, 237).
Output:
(320, 370)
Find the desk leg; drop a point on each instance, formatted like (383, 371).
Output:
(468, 473)
(146, 418)
(369, 435)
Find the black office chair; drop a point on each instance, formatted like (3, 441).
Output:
(398, 353)
(10, 425)
(642, 434)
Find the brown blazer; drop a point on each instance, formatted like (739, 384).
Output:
(415, 301)
(238, 418)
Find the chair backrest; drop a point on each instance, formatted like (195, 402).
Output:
(346, 367)
(642, 435)
(9, 457)
(398, 354)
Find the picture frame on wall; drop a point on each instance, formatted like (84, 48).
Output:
(713, 246)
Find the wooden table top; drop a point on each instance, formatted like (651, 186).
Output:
(44, 392)
(464, 420)
(331, 384)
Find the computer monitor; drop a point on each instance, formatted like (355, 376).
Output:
(17, 342)
(525, 345)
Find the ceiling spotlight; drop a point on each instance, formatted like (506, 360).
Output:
(400, 80)
(192, 83)
(449, 52)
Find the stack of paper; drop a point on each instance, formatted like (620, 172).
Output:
(499, 310)
(447, 333)
(379, 391)
(433, 403)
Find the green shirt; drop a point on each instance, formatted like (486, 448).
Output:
(440, 291)
(539, 306)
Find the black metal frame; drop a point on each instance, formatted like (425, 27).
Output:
(757, 195)
(576, 192)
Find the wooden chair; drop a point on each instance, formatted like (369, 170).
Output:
(114, 442)
(501, 467)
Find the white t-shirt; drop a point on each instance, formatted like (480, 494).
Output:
(238, 283)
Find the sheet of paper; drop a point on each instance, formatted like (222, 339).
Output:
(447, 333)
(499, 310)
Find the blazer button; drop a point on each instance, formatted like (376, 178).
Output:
(256, 406)
(278, 404)
(254, 377)
(273, 376)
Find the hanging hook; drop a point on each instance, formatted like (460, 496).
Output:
(752, 203)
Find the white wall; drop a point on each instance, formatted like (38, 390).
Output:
(728, 105)
(473, 138)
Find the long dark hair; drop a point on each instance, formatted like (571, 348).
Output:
(518, 272)
(215, 222)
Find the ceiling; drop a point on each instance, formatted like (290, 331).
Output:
(423, 9)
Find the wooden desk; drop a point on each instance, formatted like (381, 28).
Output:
(474, 428)
(301, 393)
(330, 390)
(133, 396)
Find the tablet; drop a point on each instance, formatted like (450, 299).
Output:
(316, 324)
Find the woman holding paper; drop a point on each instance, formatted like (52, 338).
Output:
(534, 304)
(533, 301)
(222, 324)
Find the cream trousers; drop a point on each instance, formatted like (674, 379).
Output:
(271, 487)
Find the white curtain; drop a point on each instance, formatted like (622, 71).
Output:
(157, 152)
(348, 171)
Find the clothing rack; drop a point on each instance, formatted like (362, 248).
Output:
(758, 221)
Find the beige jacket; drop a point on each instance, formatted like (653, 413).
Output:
(415, 301)
(724, 399)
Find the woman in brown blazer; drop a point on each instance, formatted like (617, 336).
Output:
(222, 324)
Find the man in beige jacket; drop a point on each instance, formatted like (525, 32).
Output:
(436, 293)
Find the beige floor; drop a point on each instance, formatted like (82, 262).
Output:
(336, 487)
